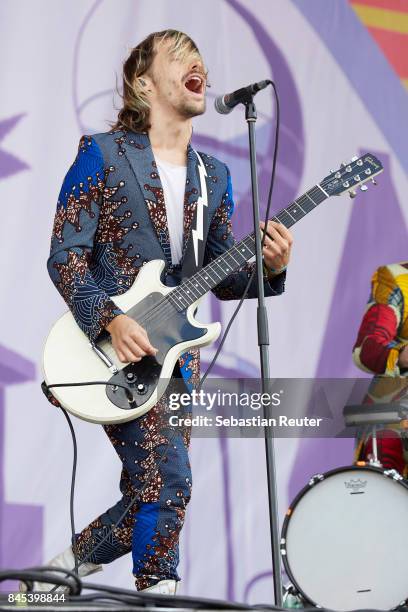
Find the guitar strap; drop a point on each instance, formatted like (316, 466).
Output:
(195, 249)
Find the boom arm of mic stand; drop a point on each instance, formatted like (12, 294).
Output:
(263, 342)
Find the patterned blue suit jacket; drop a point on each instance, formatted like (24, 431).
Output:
(111, 219)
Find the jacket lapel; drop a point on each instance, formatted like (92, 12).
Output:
(196, 219)
(139, 154)
(191, 195)
(136, 147)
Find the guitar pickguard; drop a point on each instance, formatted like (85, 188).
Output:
(143, 377)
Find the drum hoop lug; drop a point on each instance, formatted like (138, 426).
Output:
(315, 479)
(394, 474)
(283, 547)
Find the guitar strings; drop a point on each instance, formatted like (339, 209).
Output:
(164, 309)
(161, 308)
(303, 199)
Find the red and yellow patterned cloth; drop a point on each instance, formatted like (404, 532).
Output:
(382, 335)
(384, 329)
(387, 22)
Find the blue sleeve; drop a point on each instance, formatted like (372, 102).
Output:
(220, 239)
(72, 240)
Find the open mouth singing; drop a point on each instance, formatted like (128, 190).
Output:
(195, 83)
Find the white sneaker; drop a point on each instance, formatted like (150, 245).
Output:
(164, 587)
(64, 560)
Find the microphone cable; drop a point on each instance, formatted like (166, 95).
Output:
(271, 185)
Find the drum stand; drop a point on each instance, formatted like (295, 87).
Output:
(374, 460)
(371, 417)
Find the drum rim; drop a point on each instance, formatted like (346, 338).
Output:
(296, 500)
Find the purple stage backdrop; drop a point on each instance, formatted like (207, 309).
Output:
(339, 97)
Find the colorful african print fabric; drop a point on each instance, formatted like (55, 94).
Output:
(111, 220)
(155, 460)
(383, 333)
(384, 328)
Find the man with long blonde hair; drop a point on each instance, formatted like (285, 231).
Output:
(130, 197)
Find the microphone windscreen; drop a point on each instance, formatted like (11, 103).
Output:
(220, 106)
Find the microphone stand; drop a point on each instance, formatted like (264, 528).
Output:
(263, 343)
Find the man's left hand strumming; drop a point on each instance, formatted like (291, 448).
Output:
(277, 247)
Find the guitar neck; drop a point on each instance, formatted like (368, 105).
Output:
(191, 289)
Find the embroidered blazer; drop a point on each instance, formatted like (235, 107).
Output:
(111, 219)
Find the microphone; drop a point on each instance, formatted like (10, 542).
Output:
(224, 104)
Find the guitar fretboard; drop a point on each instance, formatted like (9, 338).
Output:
(191, 289)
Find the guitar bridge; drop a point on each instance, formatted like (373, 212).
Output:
(103, 357)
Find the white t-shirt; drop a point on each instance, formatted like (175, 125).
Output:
(173, 179)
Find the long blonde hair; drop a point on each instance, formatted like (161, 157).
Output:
(135, 111)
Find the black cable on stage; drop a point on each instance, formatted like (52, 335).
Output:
(106, 593)
(170, 600)
(71, 497)
(264, 233)
(41, 574)
(211, 365)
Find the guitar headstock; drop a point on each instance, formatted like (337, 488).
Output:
(355, 174)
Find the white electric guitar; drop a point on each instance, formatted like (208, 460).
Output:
(122, 391)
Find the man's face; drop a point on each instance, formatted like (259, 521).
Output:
(178, 83)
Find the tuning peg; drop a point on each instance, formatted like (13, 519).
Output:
(352, 193)
(353, 159)
(343, 165)
(364, 188)
(374, 182)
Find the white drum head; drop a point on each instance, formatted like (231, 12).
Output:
(347, 541)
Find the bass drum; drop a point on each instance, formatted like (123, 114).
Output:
(345, 539)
